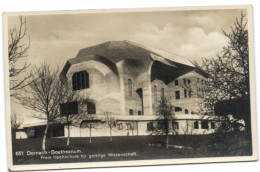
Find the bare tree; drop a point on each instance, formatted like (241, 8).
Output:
(133, 127)
(72, 106)
(44, 94)
(16, 121)
(90, 122)
(165, 115)
(17, 50)
(111, 123)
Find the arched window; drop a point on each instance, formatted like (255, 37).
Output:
(130, 87)
(80, 80)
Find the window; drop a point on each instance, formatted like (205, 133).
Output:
(188, 81)
(161, 125)
(131, 112)
(128, 126)
(57, 131)
(186, 111)
(91, 108)
(139, 112)
(189, 93)
(176, 82)
(150, 126)
(178, 109)
(120, 126)
(162, 92)
(185, 93)
(184, 81)
(80, 80)
(155, 93)
(175, 125)
(30, 132)
(130, 87)
(198, 80)
(212, 125)
(204, 125)
(196, 125)
(69, 108)
(177, 94)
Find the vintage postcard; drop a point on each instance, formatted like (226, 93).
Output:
(128, 87)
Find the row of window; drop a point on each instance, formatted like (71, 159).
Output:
(203, 82)
(129, 126)
(186, 94)
(179, 109)
(72, 108)
(80, 80)
(204, 124)
(131, 112)
(161, 125)
(175, 125)
(184, 81)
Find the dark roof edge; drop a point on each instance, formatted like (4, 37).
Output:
(201, 71)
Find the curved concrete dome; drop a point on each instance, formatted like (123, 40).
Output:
(91, 57)
(121, 50)
(114, 51)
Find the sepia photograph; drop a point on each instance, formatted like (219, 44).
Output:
(129, 87)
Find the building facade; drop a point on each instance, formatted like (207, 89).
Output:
(126, 81)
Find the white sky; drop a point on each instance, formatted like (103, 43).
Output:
(191, 34)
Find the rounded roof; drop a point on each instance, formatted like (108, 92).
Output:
(115, 51)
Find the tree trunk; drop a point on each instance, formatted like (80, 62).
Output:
(137, 128)
(90, 135)
(68, 138)
(45, 137)
(167, 135)
(110, 135)
(167, 141)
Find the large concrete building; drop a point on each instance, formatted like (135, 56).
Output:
(127, 80)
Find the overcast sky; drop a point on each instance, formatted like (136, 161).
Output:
(191, 34)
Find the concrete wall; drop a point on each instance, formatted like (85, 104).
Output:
(109, 91)
(157, 86)
(21, 135)
(140, 129)
(190, 103)
(104, 86)
(140, 100)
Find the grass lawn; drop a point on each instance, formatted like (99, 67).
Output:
(124, 148)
